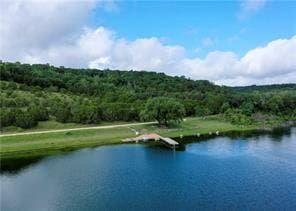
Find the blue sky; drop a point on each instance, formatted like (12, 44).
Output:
(240, 42)
(190, 23)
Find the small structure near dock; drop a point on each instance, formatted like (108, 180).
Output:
(154, 137)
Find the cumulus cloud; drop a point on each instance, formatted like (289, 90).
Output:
(30, 25)
(82, 46)
(214, 66)
(273, 63)
(146, 53)
(38, 24)
(277, 57)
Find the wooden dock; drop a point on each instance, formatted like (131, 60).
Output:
(154, 137)
(169, 142)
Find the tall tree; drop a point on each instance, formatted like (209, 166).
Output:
(164, 110)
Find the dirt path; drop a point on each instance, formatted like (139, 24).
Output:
(74, 129)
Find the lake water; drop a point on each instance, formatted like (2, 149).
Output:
(247, 173)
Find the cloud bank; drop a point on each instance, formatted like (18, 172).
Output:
(57, 33)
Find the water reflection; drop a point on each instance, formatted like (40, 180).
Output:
(13, 166)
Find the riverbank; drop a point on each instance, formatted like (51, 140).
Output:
(56, 142)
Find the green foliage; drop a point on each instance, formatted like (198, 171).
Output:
(225, 107)
(164, 110)
(39, 112)
(202, 111)
(236, 116)
(91, 96)
(247, 108)
(120, 111)
(7, 117)
(86, 114)
(24, 119)
(63, 113)
(189, 107)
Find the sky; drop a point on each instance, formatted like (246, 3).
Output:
(239, 42)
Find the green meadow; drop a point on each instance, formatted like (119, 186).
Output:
(58, 142)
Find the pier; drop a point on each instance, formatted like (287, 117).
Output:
(168, 142)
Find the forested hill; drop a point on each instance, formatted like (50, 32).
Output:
(42, 92)
(100, 82)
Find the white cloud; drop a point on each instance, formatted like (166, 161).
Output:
(95, 43)
(29, 25)
(248, 7)
(273, 63)
(91, 45)
(278, 57)
(215, 65)
(148, 53)
(100, 63)
(74, 44)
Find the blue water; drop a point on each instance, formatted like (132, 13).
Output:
(255, 173)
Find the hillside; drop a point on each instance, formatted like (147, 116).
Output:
(40, 92)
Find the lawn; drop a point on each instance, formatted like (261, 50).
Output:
(54, 143)
(54, 125)
(193, 126)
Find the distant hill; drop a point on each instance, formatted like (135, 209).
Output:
(266, 88)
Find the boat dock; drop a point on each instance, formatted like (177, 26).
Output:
(170, 143)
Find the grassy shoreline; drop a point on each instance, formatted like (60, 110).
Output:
(41, 145)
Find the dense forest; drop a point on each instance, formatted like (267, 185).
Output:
(39, 92)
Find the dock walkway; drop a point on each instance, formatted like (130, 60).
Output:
(153, 136)
(169, 141)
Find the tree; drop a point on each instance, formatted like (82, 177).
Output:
(7, 117)
(24, 119)
(189, 107)
(164, 110)
(225, 107)
(63, 114)
(247, 108)
(86, 114)
(202, 111)
(40, 113)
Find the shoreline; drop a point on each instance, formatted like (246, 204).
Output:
(20, 160)
(29, 148)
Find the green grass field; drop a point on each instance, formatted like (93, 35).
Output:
(54, 125)
(192, 126)
(58, 142)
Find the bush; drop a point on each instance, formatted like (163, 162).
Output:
(236, 116)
